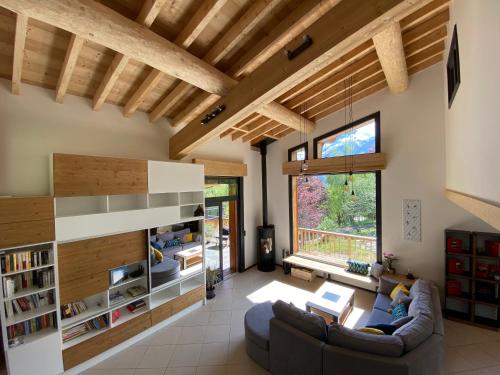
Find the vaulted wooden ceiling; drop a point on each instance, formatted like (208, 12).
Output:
(237, 37)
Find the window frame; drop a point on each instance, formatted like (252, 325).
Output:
(304, 145)
(378, 177)
(374, 116)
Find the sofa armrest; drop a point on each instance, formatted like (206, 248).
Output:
(386, 285)
(293, 352)
(424, 359)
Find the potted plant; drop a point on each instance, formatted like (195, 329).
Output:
(389, 258)
(212, 276)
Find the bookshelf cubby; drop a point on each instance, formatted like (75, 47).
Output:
(473, 278)
(127, 202)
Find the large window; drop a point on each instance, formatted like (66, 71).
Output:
(337, 216)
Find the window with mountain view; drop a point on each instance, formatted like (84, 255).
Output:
(336, 215)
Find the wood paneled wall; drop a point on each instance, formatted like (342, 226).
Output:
(84, 265)
(106, 340)
(77, 175)
(26, 220)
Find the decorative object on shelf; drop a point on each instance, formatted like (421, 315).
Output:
(199, 211)
(456, 266)
(136, 290)
(454, 245)
(138, 272)
(115, 315)
(409, 275)
(118, 275)
(389, 258)
(411, 220)
(212, 280)
(492, 248)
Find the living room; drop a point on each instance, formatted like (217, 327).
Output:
(326, 203)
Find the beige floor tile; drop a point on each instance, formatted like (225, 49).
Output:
(237, 353)
(492, 370)
(192, 335)
(157, 356)
(186, 355)
(249, 368)
(217, 334)
(214, 354)
(166, 336)
(180, 371)
(149, 371)
(219, 317)
(109, 372)
(126, 359)
(211, 370)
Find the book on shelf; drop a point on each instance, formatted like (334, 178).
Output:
(136, 305)
(73, 309)
(34, 279)
(81, 329)
(28, 303)
(136, 290)
(32, 325)
(25, 260)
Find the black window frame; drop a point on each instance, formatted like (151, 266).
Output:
(378, 175)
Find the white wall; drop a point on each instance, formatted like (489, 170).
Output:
(33, 125)
(413, 138)
(473, 122)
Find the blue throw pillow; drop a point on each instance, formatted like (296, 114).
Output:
(388, 329)
(357, 267)
(155, 245)
(174, 242)
(399, 311)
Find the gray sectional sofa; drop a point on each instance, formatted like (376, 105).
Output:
(286, 340)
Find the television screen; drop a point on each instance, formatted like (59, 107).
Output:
(118, 275)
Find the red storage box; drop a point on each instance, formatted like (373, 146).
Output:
(492, 248)
(482, 270)
(455, 266)
(453, 287)
(454, 245)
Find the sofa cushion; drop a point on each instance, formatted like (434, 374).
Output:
(385, 285)
(399, 311)
(422, 303)
(376, 270)
(382, 302)
(257, 321)
(420, 286)
(399, 288)
(357, 267)
(304, 321)
(181, 233)
(166, 236)
(379, 317)
(436, 312)
(387, 345)
(415, 332)
(388, 329)
(401, 321)
(401, 297)
(190, 245)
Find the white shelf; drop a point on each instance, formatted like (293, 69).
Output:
(127, 315)
(163, 200)
(164, 295)
(126, 301)
(130, 202)
(191, 198)
(192, 283)
(88, 314)
(28, 339)
(21, 317)
(76, 206)
(128, 281)
(28, 292)
(28, 270)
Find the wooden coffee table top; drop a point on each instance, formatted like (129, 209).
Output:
(194, 251)
(332, 298)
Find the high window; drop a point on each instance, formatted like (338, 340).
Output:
(336, 217)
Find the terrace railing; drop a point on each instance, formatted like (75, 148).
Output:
(337, 247)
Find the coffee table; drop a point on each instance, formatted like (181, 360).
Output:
(332, 301)
(189, 257)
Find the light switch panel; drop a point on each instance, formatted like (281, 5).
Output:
(411, 220)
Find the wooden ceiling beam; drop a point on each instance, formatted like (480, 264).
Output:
(74, 47)
(203, 16)
(19, 41)
(147, 15)
(250, 136)
(389, 46)
(356, 22)
(422, 14)
(308, 12)
(100, 24)
(257, 11)
(254, 126)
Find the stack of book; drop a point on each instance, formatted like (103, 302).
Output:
(28, 280)
(31, 326)
(72, 309)
(29, 303)
(136, 290)
(81, 329)
(136, 305)
(25, 260)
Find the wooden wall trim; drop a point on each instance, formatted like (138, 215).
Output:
(360, 163)
(80, 175)
(26, 220)
(222, 168)
(486, 211)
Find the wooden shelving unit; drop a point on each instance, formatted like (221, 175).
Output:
(479, 301)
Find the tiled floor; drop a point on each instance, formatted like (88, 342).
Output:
(211, 339)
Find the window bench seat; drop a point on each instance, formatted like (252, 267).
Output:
(335, 273)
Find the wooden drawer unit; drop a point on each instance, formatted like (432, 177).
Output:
(186, 300)
(106, 340)
(87, 263)
(162, 312)
(77, 175)
(26, 220)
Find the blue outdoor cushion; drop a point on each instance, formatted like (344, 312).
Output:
(357, 267)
